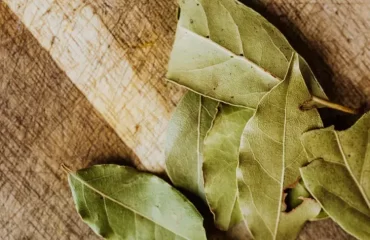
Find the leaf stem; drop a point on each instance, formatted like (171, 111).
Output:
(319, 103)
(66, 169)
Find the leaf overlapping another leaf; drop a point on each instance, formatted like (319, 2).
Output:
(292, 222)
(271, 154)
(228, 52)
(339, 178)
(187, 129)
(295, 195)
(221, 160)
(121, 203)
(249, 152)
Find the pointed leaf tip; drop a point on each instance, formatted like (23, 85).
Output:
(271, 154)
(119, 202)
(339, 178)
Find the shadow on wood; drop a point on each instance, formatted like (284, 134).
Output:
(347, 94)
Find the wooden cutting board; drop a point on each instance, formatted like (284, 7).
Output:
(82, 83)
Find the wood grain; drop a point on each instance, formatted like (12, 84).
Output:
(44, 121)
(48, 46)
(334, 36)
(95, 60)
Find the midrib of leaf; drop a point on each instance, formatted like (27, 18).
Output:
(213, 98)
(119, 203)
(199, 166)
(283, 157)
(350, 170)
(244, 58)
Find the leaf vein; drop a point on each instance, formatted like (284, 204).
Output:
(262, 167)
(243, 58)
(117, 202)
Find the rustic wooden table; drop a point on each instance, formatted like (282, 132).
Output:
(81, 82)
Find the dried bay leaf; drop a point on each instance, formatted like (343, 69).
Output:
(119, 202)
(296, 195)
(221, 160)
(187, 129)
(291, 223)
(228, 52)
(339, 178)
(271, 155)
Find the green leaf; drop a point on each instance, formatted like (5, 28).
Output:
(340, 177)
(119, 202)
(271, 153)
(321, 216)
(228, 52)
(296, 195)
(187, 129)
(292, 222)
(221, 160)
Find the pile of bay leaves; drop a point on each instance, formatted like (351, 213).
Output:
(247, 139)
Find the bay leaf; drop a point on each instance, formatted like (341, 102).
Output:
(228, 52)
(339, 178)
(296, 195)
(271, 154)
(321, 216)
(221, 160)
(291, 223)
(119, 202)
(187, 129)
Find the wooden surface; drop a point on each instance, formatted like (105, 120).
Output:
(82, 82)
